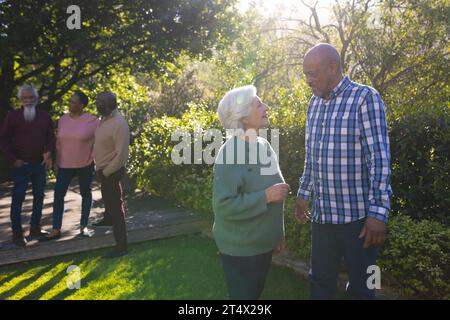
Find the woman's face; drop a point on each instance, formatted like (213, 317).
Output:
(75, 105)
(257, 118)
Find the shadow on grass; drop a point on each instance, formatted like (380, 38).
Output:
(21, 280)
(185, 267)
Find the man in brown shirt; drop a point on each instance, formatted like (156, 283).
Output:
(110, 154)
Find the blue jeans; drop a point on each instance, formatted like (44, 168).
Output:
(329, 244)
(35, 172)
(65, 176)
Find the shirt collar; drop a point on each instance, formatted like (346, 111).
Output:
(340, 87)
(111, 115)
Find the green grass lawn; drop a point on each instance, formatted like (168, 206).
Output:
(178, 268)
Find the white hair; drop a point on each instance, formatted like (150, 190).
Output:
(28, 88)
(235, 105)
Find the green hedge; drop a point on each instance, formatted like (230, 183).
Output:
(420, 149)
(416, 257)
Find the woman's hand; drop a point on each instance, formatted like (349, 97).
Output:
(277, 193)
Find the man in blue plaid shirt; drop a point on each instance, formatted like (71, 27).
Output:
(346, 176)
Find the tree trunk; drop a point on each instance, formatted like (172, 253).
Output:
(6, 92)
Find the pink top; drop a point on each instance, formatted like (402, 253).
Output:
(75, 140)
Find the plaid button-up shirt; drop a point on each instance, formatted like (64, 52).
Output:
(347, 161)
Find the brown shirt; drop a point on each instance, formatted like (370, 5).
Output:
(112, 139)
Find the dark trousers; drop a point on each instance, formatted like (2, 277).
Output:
(65, 176)
(245, 276)
(112, 197)
(329, 244)
(35, 172)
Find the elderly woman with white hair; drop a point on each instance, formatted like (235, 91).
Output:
(247, 197)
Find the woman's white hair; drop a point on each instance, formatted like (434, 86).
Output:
(235, 105)
(28, 88)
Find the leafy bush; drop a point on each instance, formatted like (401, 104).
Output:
(416, 257)
(150, 161)
(288, 114)
(420, 148)
(199, 197)
(298, 236)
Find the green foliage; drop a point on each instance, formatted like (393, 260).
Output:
(287, 113)
(420, 150)
(416, 257)
(197, 198)
(150, 161)
(298, 236)
(187, 81)
(402, 51)
(36, 45)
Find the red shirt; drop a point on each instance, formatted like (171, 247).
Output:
(26, 141)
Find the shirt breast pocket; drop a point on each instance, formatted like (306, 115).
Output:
(345, 126)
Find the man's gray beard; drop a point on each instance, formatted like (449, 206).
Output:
(29, 113)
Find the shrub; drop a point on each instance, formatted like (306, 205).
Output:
(298, 236)
(199, 197)
(150, 159)
(420, 149)
(416, 257)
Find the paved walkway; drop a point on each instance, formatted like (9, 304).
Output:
(147, 218)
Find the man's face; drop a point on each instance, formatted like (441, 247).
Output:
(102, 106)
(318, 75)
(28, 99)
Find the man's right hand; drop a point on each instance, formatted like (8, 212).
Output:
(277, 193)
(301, 211)
(18, 163)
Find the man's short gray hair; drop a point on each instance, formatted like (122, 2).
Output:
(235, 105)
(29, 88)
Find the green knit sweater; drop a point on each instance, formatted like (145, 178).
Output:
(244, 224)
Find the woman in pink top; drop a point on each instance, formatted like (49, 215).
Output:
(74, 143)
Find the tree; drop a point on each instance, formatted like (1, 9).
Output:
(400, 47)
(37, 46)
